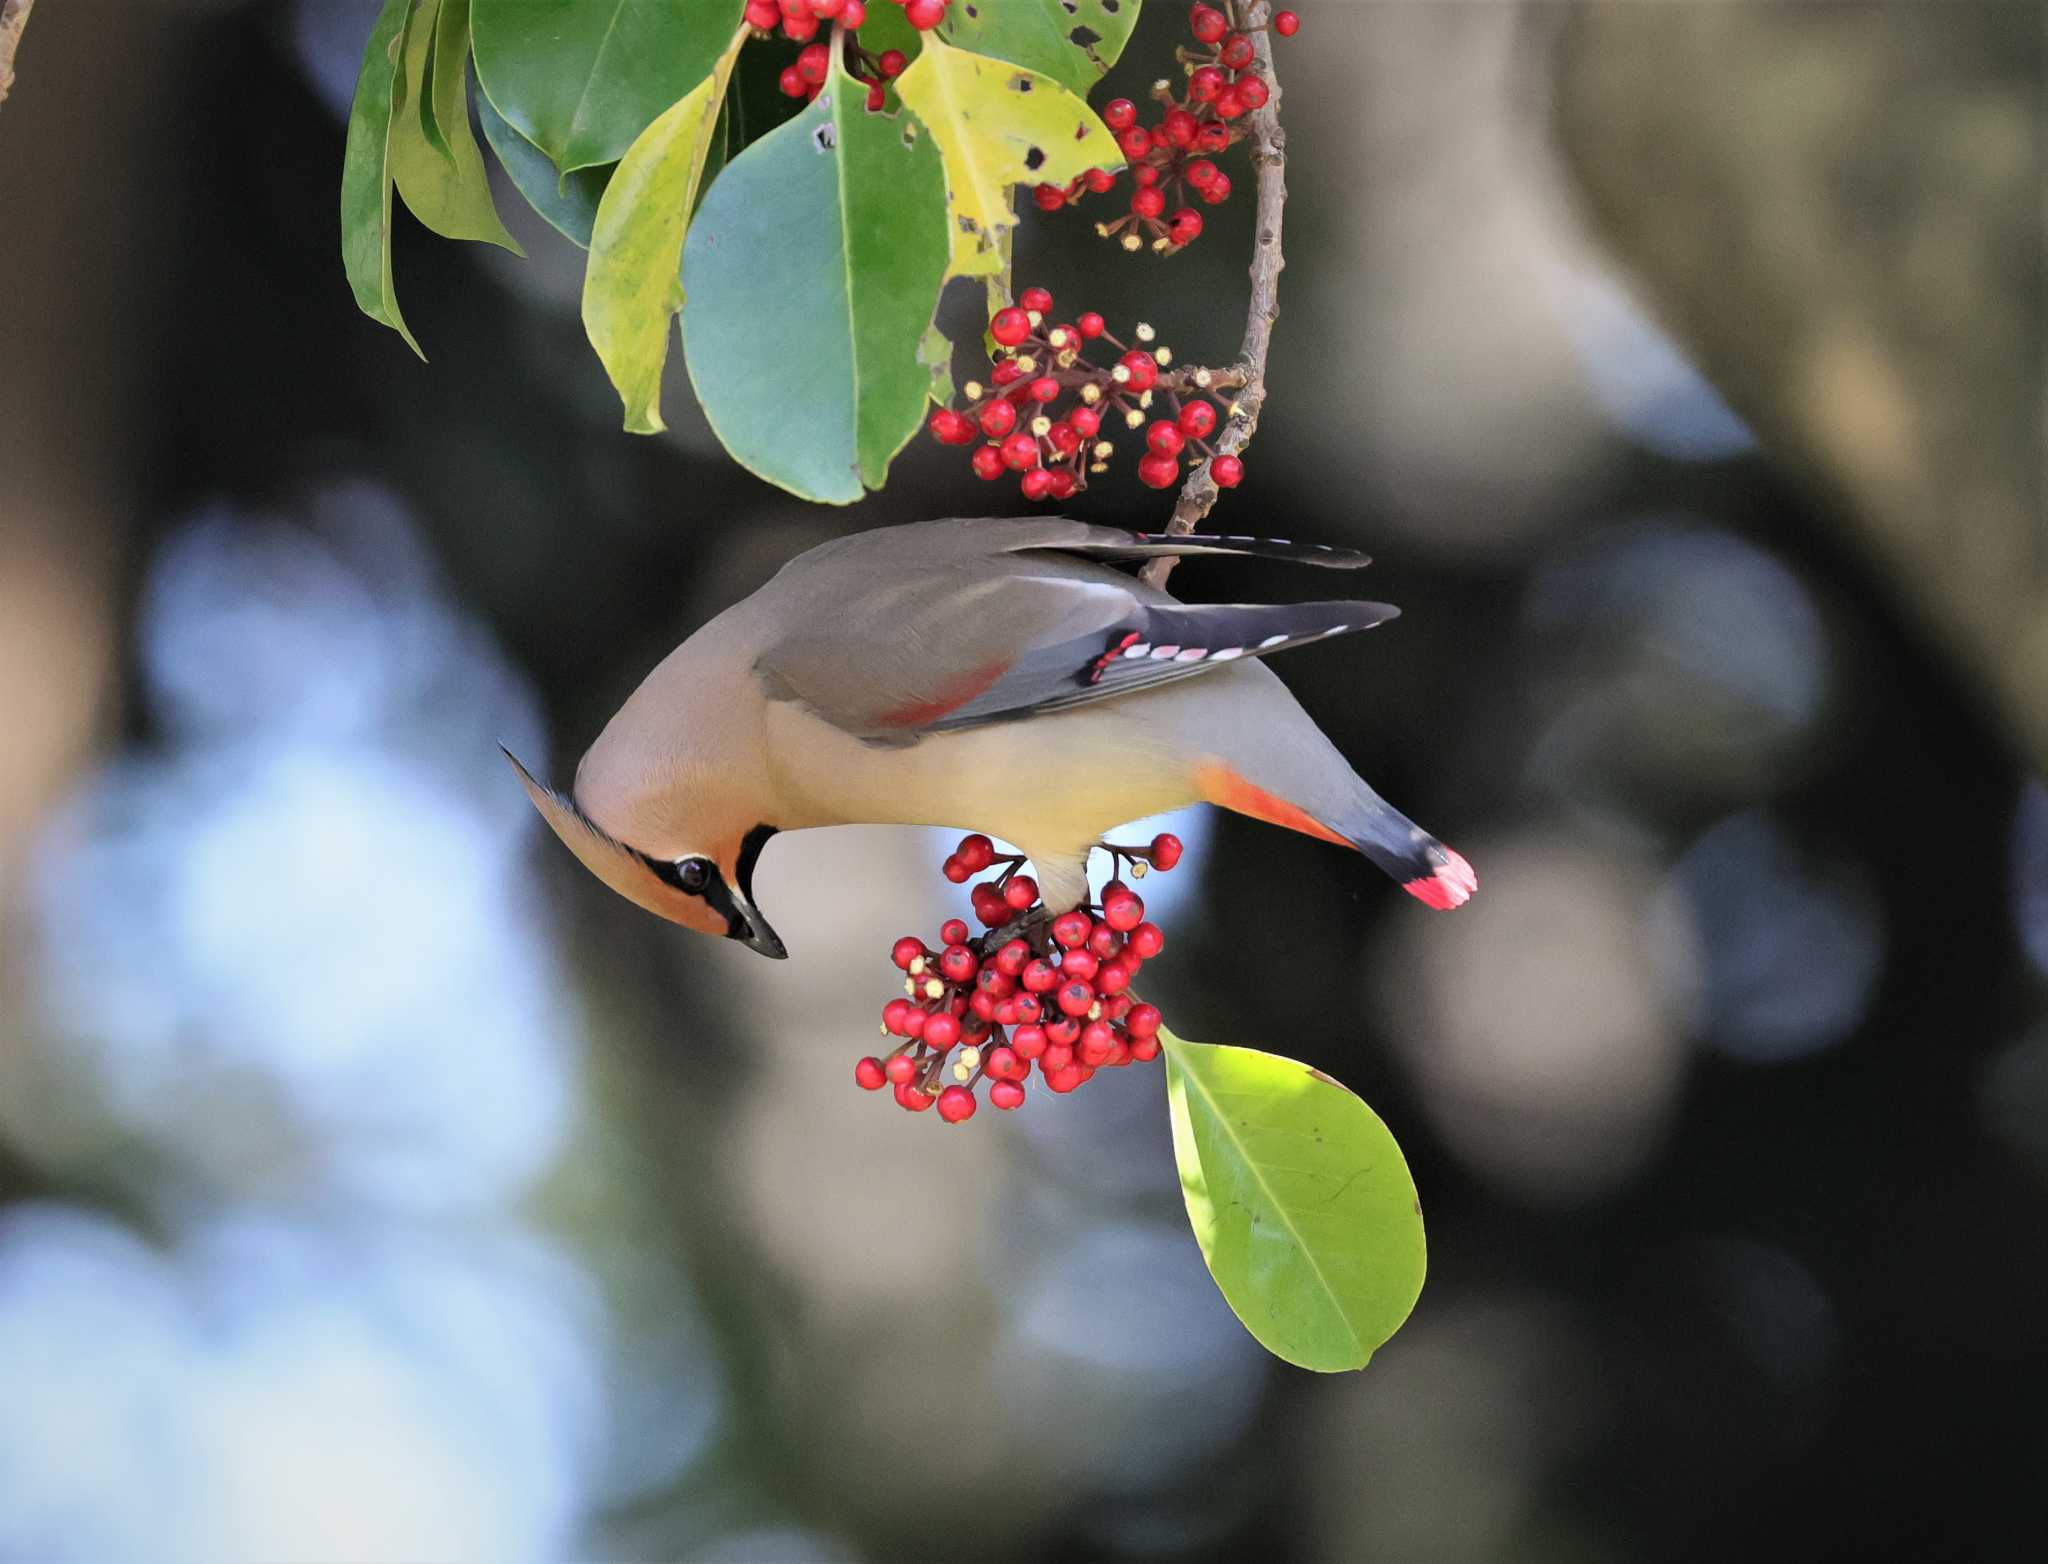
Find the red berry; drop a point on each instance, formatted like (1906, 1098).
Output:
(1214, 136)
(764, 15)
(900, 1070)
(1122, 912)
(1036, 299)
(1185, 226)
(1065, 439)
(914, 1023)
(953, 931)
(1062, 1033)
(1143, 1020)
(1141, 370)
(1205, 83)
(1149, 202)
(1009, 326)
(1198, 422)
(1120, 114)
(1228, 472)
(1002, 1063)
(853, 14)
(1112, 977)
(814, 64)
(987, 463)
(1165, 437)
(1013, 957)
(1086, 422)
(1097, 1038)
(800, 29)
(1021, 892)
(800, 10)
(1104, 941)
(1029, 1010)
(894, 1016)
(976, 851)
(1201, 173)
(1065, 1080)
(868, 1076)
(1217, 191)
(1076, 998)
(877, 99)
(911, 1098)
(906, 950)
(1050, 198)
(1099, 179)
(1166, 850)
(996, 984)
(1028, 1041)
(1179, 128)
(1145, 176)
(1071, 929)
(1158, 472)
(924, 15)
(1145, 1049)
(1236, 52)
(1006, 1095)
(1286, 23)
(792, 82)
(1020, 450)
(1134, 141)
(1064, 483)
(1091, 324)
(1147, 941)
(1039, 977)
(893, 62)
(1007, 372)
(826, 10)
(957, 964)
(956, 1103)
(950, 428)
(1230, 104)
(1252, 89)
(941, 1031)
(997, 419)
(1044, 389)
(1079, 964)
(1208, 24)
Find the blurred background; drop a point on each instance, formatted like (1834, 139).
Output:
(375, 1185)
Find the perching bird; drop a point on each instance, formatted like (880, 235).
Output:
(1001, 676)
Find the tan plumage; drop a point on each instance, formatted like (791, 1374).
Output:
(1000, 676)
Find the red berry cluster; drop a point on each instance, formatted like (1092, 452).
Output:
(1043, 413)
(1172, 162)
(1032, 989)
(801, 19)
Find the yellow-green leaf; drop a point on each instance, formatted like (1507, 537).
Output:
(448, 192)
(632, 287)
(998, 125)
(366, 173)
(1300, 1200)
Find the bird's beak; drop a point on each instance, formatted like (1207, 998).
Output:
(751, 929)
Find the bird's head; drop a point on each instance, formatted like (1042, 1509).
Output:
(709, 889)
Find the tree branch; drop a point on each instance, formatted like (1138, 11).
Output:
(1269, 159)
(13, 18)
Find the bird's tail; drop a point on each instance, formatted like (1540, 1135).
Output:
(1424, 867)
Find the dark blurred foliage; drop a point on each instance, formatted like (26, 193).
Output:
(381, 1186)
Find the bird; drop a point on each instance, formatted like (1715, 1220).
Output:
(1011, 675)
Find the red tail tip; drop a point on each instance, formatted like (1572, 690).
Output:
(1450, 886)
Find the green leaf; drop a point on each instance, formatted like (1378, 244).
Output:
(568, 203)
(813, 269)
(448, 192)
(1300, 1201)
(366, 173)
(935, 352)
(1072, 41)
(581, 79)
(998, 126)
(632, 287)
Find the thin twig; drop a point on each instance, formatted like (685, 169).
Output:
(1269, 159)
(13, 18)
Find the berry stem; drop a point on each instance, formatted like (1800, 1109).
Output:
(1269, 160)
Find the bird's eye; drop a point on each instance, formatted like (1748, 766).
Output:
(694, 874)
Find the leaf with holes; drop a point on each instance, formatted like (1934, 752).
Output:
(1300, 1200)
(632, 287)
(581, 79)
(366, 173)
(997, 126)
(813, 269)
(445, 186)
(1073, 41)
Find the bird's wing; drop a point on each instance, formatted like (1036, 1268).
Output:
(896, 642)
(983, 536)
